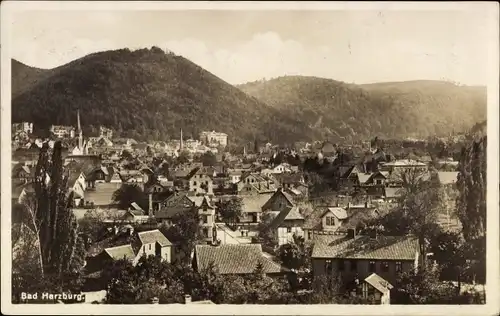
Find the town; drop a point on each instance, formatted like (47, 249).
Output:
(198, 221)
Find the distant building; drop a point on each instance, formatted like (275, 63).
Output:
(213, 137)
(105, 132)
(24, 127)
(61, 131)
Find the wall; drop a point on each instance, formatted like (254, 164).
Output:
(362, 269)
(328, 227)
(284, 237)
(166, 253)
(279, 203)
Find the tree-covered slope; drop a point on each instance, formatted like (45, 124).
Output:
(145, 93)
(393, 110)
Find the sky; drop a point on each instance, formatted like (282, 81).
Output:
(242, 46)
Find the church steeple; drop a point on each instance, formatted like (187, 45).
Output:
(80, 133)
(181, 145)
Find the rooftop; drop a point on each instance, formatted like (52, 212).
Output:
(235, 259)
(365, 247)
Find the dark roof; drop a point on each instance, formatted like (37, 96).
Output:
(170, 212)
(365, 247)
(121, 239)
(235, 259)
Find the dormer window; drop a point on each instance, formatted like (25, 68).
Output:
(330, 221)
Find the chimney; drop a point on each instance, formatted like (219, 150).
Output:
(351, 233)
(214, 235)
(187, 299)
(150, 209)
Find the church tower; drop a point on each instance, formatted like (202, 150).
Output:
(181, 145)
(80, 133)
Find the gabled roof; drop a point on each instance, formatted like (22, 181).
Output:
(287, 196)
(136, 206)
(379, 283)
(234, 259)
(154, 236)
(290, 213)
(365, 247)
(121, 252)
(364, 177)
(339, 212)
(254, 203)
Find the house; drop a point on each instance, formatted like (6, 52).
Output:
(201, 181)
(288, 221)
(98, 175)
(335, 220)
(252, 207)
(127, 244)
(376, 289)
(77, 184)
(174, 204)
(236, 259)
(235, 175)
(348, 178)
(353, 257)
(254, 183)
(206, 212)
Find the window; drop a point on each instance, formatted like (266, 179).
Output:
(328, 266)
(330, 221)
(372, 266)
(309, 235)
(194, 183)
(149, 246)
(354, 265)
(379, 181)
(288, 229)
(385, 266)
(399, 266)
(341, 265)
(205, 219)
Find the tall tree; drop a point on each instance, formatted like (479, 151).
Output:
(129, 193)
(50, 218)
(471, 203)
(230, 210)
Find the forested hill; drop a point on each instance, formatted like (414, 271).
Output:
(394, 110)
(144, 94)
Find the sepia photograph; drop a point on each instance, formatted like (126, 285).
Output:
(294, 157)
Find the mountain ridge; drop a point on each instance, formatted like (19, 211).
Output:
(151, 94)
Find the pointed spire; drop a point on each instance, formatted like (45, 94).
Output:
(78, 120)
